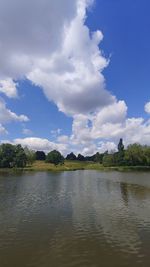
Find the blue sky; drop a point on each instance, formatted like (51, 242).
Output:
(44, 115)
(125, 25)
(60, 80)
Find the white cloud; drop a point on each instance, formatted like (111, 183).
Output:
(73, 78)
(49, 43)
(81, 132)
(89, 150)
(8, 87)
(107, 146)
(64, 139)
(31, 30)
(114, 113)
(102, 131)
(147, 107)
(41, 144)
(7, 115)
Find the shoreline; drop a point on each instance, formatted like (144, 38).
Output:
(73, 166)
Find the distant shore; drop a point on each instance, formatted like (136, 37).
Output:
(73, 166)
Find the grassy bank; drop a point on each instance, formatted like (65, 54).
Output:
(75, 165)
(67, 166)
(79, 165)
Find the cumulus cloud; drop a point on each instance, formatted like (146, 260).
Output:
(64, 139)
(114, 113)
(31, 30)
(73, 78)
(8, 87)
(102, 130)
(7, 115)
(49, 43)
(107, 146)
(41, 144)
(147, 107)
(81, 132)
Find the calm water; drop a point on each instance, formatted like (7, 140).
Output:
(75, 219)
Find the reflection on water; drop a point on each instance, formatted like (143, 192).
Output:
(124, 192)
(82, 218)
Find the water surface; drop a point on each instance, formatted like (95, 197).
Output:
(75, 219)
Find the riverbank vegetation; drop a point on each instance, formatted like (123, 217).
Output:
(134, 157)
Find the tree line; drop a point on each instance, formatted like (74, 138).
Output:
(133, 155)
(15, 156)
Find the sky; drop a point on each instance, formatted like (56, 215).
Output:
(74, 75)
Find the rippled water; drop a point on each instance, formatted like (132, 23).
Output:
(75, 219)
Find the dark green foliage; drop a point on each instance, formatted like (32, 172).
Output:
(134, 155)
(120, 145)
(20, 158)
(80, 157)
(7, 153)
(71, 156)
(120, 155)
(55, 157)
(40, 155)
(12, 156)
(146, 150)
(30, 154)
(108, 160)
(98, 157)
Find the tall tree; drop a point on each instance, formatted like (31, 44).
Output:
(30, 154)
(121, 145)
(20, 158)
(119, 157)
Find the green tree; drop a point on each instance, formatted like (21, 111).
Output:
(30, 154)
(7, 154)
(135, 155)
(55, 157)
(80, 157)
(108, 160)
(12, 156)
(98, 157)
(147, 154)
(71, 156)
(119, 157)
(20, 158)
(120, 145)
(40, 155)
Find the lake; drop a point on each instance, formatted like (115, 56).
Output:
(75, 219)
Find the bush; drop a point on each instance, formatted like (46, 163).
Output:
(55, 157)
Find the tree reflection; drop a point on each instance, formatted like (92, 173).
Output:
(124, 192)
